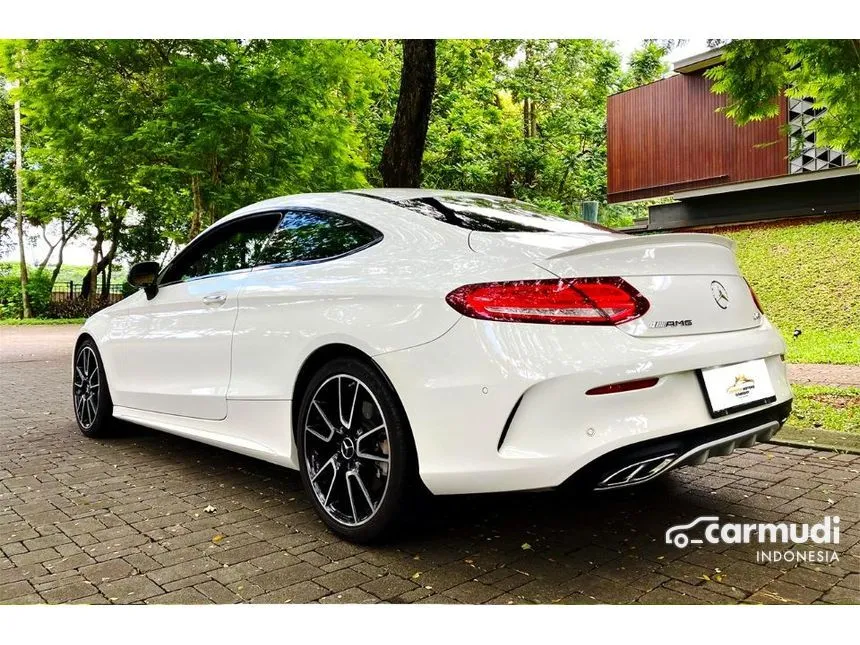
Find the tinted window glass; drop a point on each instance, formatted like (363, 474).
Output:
(231, 247)
(495, 215)
(314, 236)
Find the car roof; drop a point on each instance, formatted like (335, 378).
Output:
(330, 201)
(390, 214)
(353, 203)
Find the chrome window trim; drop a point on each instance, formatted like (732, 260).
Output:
(207, 234)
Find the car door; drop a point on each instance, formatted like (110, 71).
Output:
(176, 345)
(303, 287)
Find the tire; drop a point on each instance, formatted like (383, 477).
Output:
(355, 451)
(90, 394)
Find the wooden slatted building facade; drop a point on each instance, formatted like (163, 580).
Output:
(669, 138)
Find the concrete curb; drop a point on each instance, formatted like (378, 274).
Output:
(818, 439)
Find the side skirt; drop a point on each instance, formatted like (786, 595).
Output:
(259, 429)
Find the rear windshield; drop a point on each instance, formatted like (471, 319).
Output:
(496, 215)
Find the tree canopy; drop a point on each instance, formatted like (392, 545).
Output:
(757, 72)
(142, 143)
(137, 145)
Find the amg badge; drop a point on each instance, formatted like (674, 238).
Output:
(658, 324)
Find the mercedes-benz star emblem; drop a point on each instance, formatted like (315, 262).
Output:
(347, 448)
(720, 295)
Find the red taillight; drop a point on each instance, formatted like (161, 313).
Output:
(564, 301)
(627, 386)
(754, 297)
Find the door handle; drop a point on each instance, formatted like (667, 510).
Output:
(215, 299)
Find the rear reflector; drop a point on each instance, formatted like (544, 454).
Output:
(563, 301)
(624, 387)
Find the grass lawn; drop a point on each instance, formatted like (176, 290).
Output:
(827, 407)
(8, 322)
(807, 277)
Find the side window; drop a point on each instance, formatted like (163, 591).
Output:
(313, 236)
(231, 247)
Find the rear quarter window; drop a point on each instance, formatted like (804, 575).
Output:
(310, 236)
(495, 215)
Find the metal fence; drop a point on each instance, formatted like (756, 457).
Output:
(71, 290)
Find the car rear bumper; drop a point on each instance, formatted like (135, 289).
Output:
(646, 460)
(499, 407)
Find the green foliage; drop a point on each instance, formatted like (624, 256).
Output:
(481, 139)
(140, 144)
(807, 277)
(563, 154)
(68, 273)
(616, 215)
(38, 288)
(75, 308)
(148, 141)
(470, 132)
(249, 120)
(756, 72)
(831, 408)
(646, 65)
(374, 122)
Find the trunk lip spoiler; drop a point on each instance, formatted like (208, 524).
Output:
(660, 239)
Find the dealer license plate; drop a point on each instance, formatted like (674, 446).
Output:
(732, 388)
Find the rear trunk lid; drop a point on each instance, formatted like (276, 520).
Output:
(691, 280)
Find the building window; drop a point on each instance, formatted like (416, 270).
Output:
(804, 154)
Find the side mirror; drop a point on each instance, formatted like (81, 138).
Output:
(144, 275)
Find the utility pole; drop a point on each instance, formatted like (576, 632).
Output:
(19, 207)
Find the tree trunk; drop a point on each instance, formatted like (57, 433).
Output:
(89, 287)
(215, 179)
(65, 237)
(198, 209)
(19, 212)
(528, 102)
(563, 181)
(401, 157)
(508, 189)
(51, 248)
(90, 283)
(532, 119)
(58, 266)
(526, 119)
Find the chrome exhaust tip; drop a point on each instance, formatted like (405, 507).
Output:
(637, 472)
(645, 469)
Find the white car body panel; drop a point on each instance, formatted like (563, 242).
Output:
(457, 424)
(175, 349)
(493, 406)
(254, 429)
(288, 312)
(673, 271)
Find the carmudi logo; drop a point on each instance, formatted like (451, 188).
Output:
(709, 529)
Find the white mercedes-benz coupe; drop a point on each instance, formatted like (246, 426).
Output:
(381, 341)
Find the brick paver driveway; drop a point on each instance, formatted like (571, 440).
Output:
(123, 521)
